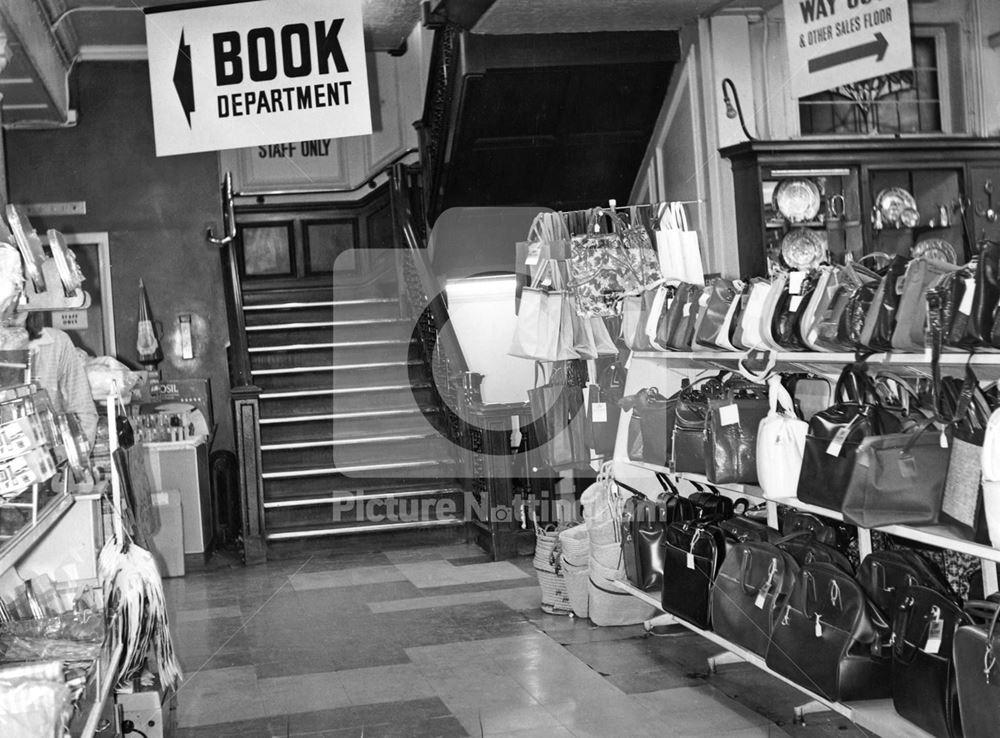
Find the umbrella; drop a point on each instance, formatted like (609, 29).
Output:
(146, 343)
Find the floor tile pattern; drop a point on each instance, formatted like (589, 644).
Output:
(441, 641)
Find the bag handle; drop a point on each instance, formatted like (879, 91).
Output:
(779, 397)
(665, 217)
(900, 626)
(680, 216)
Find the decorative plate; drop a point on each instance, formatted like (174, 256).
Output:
(798, 200)
(897, 207)
(802, 248)
(935, 248)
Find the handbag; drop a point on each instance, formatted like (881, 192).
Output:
(880, 320)
(818, 304)
(806, 549)
(663, 296)
(851, 277)
(835, 435)
(991, 477)
(797, 521)
(688, 445)
(885, 575)
(977, 674)
(781, 438)
(897, 479)
(731, 435)
(923, 676)
(548, 238)
(635, 314)
(987, 297)
(559, 420)
(912, 313)
(826, 638)
(544, 327)
(677, 246)
(787, 312)
(602, 405)
(962, 502)
(604, 266)
(855, 313)
(713, 331)
(957, 295)
(777, 290)
(656, 420)
(748, 336)
(751, 586)
(644, 524)
(679, 329)
(692, 554)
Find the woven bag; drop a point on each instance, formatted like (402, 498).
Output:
(548, 569)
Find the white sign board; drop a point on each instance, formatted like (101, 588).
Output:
(256, 73)
(836, 42)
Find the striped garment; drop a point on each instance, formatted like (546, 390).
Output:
(59, 370)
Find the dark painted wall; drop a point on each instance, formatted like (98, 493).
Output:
(154, 209)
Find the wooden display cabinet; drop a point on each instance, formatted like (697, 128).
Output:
(960, 175)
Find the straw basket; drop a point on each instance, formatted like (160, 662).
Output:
(548, 568)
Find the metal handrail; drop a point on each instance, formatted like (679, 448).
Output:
(432, 298)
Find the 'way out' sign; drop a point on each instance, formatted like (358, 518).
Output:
(836, 42)
(235, 74)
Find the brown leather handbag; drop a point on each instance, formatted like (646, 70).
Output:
(731, 434)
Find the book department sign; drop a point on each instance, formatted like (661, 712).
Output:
(237, 74)
(837, 42)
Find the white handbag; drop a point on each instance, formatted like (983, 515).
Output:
(653, 320)
(750, 320)
(770, 305)
(991, 477)
(781, 440)
(677, 246)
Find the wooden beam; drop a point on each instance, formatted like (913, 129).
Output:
(27, 21)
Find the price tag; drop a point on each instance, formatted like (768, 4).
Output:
(762, 595)
(599, 412)
(943, 440)
(729, 415)
(818, 629)
(794, 302)
(534, 254)
(795, 280)
(686, 311)
(690, 560)
(515, 431)
(968, 297)
(160, 499)
(838, 441)
(928, 353)
(935, 635)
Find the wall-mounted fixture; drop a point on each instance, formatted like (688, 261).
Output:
(184, 328)
(734, 112)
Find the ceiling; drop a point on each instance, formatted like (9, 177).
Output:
(45, 38)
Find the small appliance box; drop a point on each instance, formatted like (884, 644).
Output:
(173, 409)
(150, 710)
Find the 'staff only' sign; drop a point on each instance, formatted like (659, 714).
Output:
(232, 75)
(836, 42)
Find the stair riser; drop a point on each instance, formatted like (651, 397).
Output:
(440, 476)
(351, 402)
(289, 359)
(341, 378)
(338, 429)
(357, 454)
(291, 315)
(327, 334)
(406, 509)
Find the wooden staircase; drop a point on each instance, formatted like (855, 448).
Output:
(347, 443)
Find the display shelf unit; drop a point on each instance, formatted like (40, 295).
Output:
(92, 717)
(938, 536)
(24, 540)
(874, 715)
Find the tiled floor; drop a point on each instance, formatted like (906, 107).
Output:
(439, 641)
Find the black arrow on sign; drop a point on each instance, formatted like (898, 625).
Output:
(872, 48)
(183, 80)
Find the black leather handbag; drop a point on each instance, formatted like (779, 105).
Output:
(785, 319)
(688, 446)
(975, 650)
(805, 549)
(607, 392)
(796, 521)
(984, 304)
(828, 637)
(710, 505)
(880, 321)
(835, 434)
(923, 676)
(751, 586)
(731, 434)
(644, 523)
(886, 574)
(692, 554)
(656, 420)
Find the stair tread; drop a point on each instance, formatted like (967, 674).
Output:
(332, 442)
(399, 486)
(294, 304)
(265, 327)
(320, 529)
(381, 413)
(334, 345)
(286, 472)
(316, 499)
(324, 391)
